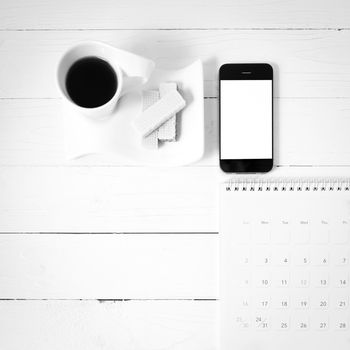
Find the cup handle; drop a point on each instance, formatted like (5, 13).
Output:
(131, 84)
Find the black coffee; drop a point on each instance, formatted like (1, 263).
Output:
(91, 82)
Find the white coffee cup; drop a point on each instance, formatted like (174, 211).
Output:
(114, 57)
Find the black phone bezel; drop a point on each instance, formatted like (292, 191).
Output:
(245, 71)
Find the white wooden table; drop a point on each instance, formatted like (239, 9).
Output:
(95, 254)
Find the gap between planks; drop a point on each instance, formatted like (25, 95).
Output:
(173, 29)
(111, 233)
(108, 300)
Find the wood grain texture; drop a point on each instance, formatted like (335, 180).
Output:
(108, 266)
(113, 199)
(90, 325)
(40, 191)
(116, 266)
(80, 14)
(108, 199)
(310, 63)
(31, 134)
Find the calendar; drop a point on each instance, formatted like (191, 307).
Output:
(285, 263)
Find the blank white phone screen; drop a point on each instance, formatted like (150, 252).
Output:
(246, 119)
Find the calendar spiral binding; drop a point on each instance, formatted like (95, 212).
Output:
(288, 185)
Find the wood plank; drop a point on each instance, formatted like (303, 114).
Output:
(112, 199)
(309, 63)
(90, 325)
(108, 266)
(20, 14)
(107, 199)
(31, 134)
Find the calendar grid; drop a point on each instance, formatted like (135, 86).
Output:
(285, 260)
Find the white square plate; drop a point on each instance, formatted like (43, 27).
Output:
(117, 137)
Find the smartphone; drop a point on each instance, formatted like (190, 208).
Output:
(246, 117)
